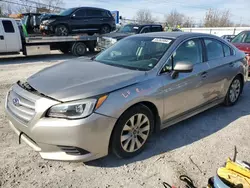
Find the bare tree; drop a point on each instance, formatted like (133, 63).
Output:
(144, 16)
(6, 9)
(175, 18)
(188, 22)
(26, 6)
(215, 18)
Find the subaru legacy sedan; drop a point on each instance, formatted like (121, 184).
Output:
(85, 108)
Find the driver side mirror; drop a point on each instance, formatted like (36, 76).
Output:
(73, 16)
(182, 67)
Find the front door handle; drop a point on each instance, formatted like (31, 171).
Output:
(1, 37)
(204, 74)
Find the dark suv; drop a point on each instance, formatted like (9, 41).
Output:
(109, 39)
(79, 20)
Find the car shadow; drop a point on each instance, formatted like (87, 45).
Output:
(20, 59)
(185, 132)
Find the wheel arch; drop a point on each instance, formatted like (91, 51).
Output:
(152, 107)
(65, 24)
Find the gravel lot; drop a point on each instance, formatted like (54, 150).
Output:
(195, 147)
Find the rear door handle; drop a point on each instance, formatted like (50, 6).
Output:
(204, 74)
(1, 37)
(101, 19)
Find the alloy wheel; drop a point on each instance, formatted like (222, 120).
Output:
(234, 91)
(135, 132)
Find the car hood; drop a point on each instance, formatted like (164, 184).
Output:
(117, 35)
(245, 47)
(82, 78)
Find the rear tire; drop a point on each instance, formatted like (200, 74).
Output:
(132, 131)
(78, 49)
(234, 91)
(61, 30)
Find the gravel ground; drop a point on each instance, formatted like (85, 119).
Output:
(195, 147)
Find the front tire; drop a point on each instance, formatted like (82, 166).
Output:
(234, 91)
(105, 29)
(132, 131)
(61, 30)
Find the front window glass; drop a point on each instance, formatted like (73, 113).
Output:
(138, 53)
(189, 51)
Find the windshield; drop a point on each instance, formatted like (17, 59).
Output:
(128, 29)
(242, 38)
(24, 20)
(137, 53)
(67, 12)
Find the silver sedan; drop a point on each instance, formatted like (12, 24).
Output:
(85, 108)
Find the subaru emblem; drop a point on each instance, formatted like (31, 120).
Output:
(16, 101)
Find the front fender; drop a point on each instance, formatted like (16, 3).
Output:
(120, 100)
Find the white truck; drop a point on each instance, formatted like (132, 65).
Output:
(13, 41)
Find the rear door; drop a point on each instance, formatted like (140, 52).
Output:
(221, 68)
(2, 39)
(12, 37)
(95, 19)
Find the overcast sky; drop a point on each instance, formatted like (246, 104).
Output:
(193, 8)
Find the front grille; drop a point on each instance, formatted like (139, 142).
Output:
(20, 107)
(73, 150)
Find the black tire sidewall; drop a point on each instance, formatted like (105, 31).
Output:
(58, 26)
(75, 46)
(116, 145)
(228, 101)
(103, 27)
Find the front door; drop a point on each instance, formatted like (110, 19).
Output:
(11, 37)
(78, 20)
(95, 19)
(185, 92)
(2, 39)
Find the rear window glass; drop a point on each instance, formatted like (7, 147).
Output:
(156, 29)
(8, 26)
(227, 50)
(214, 49)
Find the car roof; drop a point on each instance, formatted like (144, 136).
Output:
(90, 8)
(174, 35)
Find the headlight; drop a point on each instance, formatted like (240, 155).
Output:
(48, 21)
(113, 41)
(76, 109)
